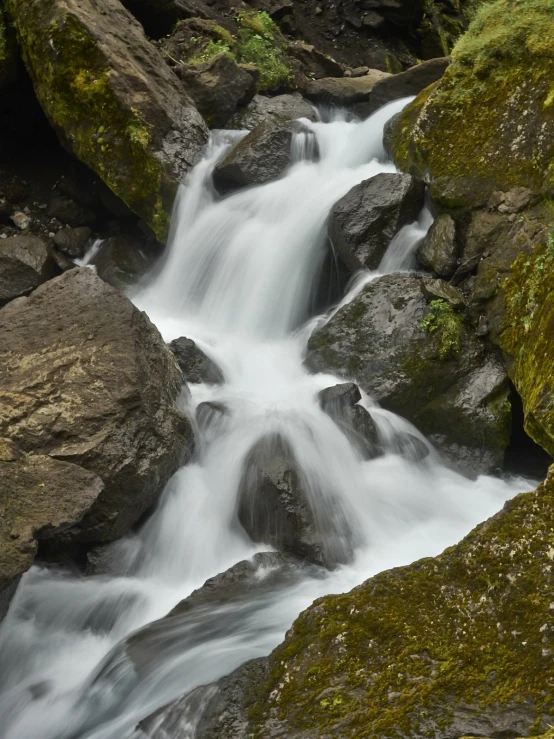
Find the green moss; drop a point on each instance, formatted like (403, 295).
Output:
(444, 319)
(470, 628)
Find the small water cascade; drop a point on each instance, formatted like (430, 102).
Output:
(81, 657)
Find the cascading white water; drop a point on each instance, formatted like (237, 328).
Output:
(237, 278)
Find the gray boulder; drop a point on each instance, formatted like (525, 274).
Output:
(194, 364)
(275, 109)
(87, 380)
(363, 223)
(218, 87)
(25, 263)
(344, 91)
(274, 507)
(408, 83)
(262, 156)
(341, 404)
(439, 249)
(435, 373)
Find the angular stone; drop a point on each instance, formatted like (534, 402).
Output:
(340, 403)
(25, 263)
(194, 364)
(441, 290)
(343, 92)
(73, 241)
(275, 109)
(439, 249)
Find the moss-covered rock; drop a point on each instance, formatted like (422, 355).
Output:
(489, 123)
(111, 99)
(453, 646)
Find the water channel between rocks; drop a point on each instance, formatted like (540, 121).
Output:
(239, 278)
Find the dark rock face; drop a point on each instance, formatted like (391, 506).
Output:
(70, 213)
(276, 110)
(408, 83)
(340, 402)
(363, 223)
(274, 507)
(343, 92)
(194, 364)
(445, 381)
(86, 379)
(25, 263)
(439, 249)
(260, 157)
(218, 87)
(128, 116)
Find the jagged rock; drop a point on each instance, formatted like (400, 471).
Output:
(260, 157)
(441, 620)
(439, 249)
(444, 380)
(122, 260)
(194, 364)
(408, 83)
(86, 379)
(343, 92)
(363, 223)
(111, 99)
(441, 290)
(274, 507)
(340, 402)
(73, 241)
(275, 109)
(218, 87)
(40, 498)
(315, 64)
(25, 263)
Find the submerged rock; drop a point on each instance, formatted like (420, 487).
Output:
(86, 379)
(274, 508)
(275, 109)
(25, 263)
(363, 223)
(194, 364)
(341, 403)
(111, 99)
(424, 364)
(262, 156)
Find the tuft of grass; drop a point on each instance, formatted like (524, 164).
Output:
(444, 319)
(259, 23)
(209, 50)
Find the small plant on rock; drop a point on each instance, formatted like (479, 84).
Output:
(444, 319)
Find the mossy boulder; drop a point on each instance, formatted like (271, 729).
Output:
(111, 99)
(489, 123)
(423, 362)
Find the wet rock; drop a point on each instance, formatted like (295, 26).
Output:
(40, 498)
(218, 87)
(343, 92)
(363, 223)
(72, 241)
(441, 290)
(340, 402)
(123, 260)
(262, 156)
(439, 249)
(433, 372)
(128, 118)
(407, 83)
(25, 263)
(89, 381)
(274, 507)
(275, 109)
(194, 364)
(69, 212)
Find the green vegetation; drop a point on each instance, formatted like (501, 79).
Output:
(444, 319)
(257, 42)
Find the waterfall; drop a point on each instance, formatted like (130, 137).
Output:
(238, 277)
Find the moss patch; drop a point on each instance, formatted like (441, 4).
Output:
(448, 323)
(459, 638)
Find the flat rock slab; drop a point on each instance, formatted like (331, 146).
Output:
(344, 91)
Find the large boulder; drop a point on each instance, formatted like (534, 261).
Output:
(111, 99)
(87, 380)
(275, 109)
(343, 91)
(363, 222)
(451, 646)
(262, 156)
(486, 125)
(408, 83)
(424, 363)
(218, 87)
(274, 507)
(25, 263)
